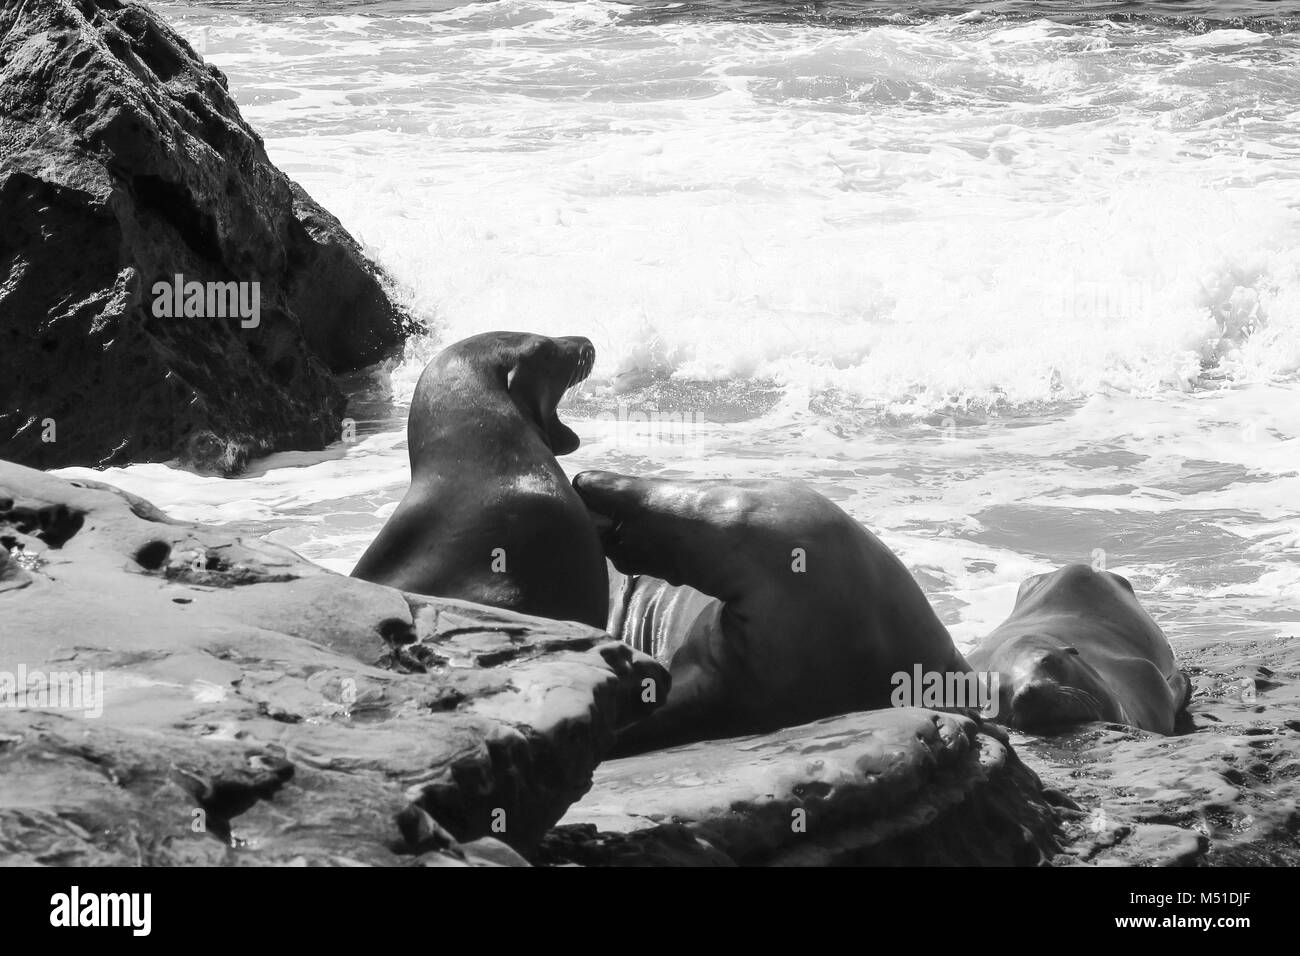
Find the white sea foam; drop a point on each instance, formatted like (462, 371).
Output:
(949, 213)
(1090, 230)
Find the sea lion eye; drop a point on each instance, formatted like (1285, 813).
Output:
(1072, 650)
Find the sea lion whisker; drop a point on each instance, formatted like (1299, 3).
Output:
(1081, 696)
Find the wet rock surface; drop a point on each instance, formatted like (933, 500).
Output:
(1226, 792)
(257, 709)
(902, 786)
(124, 162)
(1223, 791)
(254, 708)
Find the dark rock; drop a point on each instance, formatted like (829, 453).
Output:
(124, 162)
(259, 720)
(421, 832)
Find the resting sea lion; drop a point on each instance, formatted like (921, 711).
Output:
(1078, 647)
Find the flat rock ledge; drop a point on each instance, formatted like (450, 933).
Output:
(903, 786)
(176, 694)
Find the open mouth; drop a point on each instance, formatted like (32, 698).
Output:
(580, 359)
(582, 367)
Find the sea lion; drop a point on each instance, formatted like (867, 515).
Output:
(490, 517)
(1078, 647)
(769, 604)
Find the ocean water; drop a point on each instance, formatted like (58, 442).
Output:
(1017, 284)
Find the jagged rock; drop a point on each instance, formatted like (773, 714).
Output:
(124, 161)
(901, 786)
(12, 575)
(257, 709)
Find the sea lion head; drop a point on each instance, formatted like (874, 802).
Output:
(534, 371)
(1046, 684)
(1044, 681)
(540, 370)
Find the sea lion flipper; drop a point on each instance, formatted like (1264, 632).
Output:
(1147, 703)
(696, 707)
(1181, 685)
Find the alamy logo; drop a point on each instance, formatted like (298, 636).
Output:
(102, 909)
(1109, 298)
(208, 300)
(53, 690)
(651, 427)
(976, 690)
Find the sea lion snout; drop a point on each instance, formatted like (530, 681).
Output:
(1051, 685)
(1044, 702)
